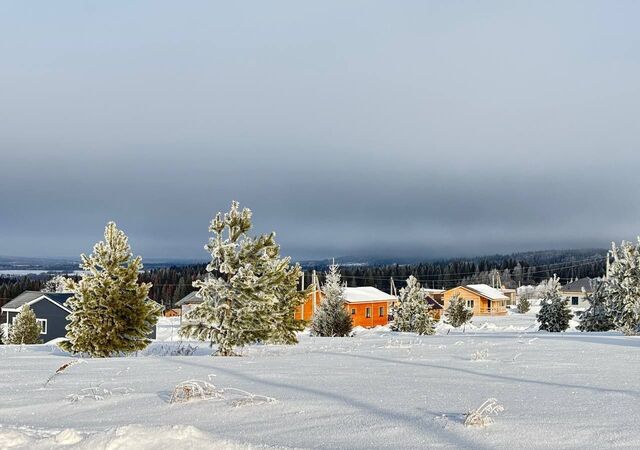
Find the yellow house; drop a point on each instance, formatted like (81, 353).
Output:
(481, 298)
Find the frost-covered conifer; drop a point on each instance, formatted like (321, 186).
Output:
(555, 313)
(524, 305)
(111, 312)
(457, 314)
(413, 313)
(622, 288)
(332, 318)
(596, 317)
(249, 294)
(57, 283)
(25, 329)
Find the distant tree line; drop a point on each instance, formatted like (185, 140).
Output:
(170, 284)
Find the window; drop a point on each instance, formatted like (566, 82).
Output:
(353, 311)
(470, 304)
(574, 300)
(381, 311)
(43, 325)
(368, 313)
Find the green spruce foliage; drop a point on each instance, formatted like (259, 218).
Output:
(25, 329)
(413, 313)
(332, 318)
(457, 314)
(622, 289)
(555, 314)
(111, 312)
(249, 293)
(524, 305)
(596, 317)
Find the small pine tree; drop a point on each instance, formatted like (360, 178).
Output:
(332, 318)
(622, 289)
(457, 314)
(413, 313)
(25, 329)
(57, 283)
(555, 314)
(596, 317)
(524, 305)
(249, 294)
(111, 312)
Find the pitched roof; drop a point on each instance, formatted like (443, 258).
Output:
(29, 296)
(366, 294)
(189, 299)
(576, 286)
(487, 291)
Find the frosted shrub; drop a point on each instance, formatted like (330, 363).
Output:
(332, 318)
(524, 305)
(191, 390)
(481, 417)
(195, 390)
(555, 314)
(480, 355)
(25, 329)
(622, 289)
(457, 314)
(413, 313)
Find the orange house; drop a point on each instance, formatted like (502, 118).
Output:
(369, 307)
(481, 298)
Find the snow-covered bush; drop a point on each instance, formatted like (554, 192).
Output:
(332, 318)
(555, 313)
(111, 312)
(596, 317)
(457, 314)
(25, 329)
(413, 313)
(622, 289)
(57, 283)
(480, 355)
(481, 417)
(249, 294)
(524, 305)
(191, 390)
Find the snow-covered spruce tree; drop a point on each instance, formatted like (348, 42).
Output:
(25, 329)
(412, 312)
(622, 288)
(596, 317)
(332, 318)
(57, 283)
(111, 312)
(457, 314)
(555, 313)
(524, 305)
(249, 294)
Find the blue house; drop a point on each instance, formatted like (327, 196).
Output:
(50, 310)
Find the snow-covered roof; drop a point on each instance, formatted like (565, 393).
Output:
(189, 299)
(29, 297)
(587, 284)
(432, 291)
(487, 291)
(366, 294)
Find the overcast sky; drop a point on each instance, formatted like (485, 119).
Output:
(349, 127)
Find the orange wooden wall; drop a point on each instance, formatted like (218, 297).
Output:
(360, 319)
(465, 294)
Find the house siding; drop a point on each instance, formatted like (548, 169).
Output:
(55, 316)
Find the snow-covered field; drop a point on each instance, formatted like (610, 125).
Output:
(378, 389)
